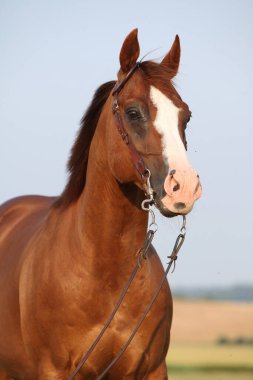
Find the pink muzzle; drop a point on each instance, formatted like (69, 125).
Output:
(182, 189)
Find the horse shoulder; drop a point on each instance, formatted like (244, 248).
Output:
(20, 218)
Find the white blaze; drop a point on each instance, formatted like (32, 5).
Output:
(166, 124)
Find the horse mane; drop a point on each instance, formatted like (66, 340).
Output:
(77, 164)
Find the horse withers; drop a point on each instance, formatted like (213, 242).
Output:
(64, 260)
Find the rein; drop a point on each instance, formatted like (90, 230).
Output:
(143, 252)
(173, 257)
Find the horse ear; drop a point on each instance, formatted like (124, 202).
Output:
(129, 52)
(172, 59)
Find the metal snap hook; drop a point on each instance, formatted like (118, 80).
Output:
(146, 202)
(153, 227)
(183, 228)
(149, 190)
(145, 205)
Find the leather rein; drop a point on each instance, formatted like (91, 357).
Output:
(143, 252)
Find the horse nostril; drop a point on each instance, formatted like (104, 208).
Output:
(179, 205)
(176, 187)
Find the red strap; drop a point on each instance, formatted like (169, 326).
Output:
(136, 157)
(119, 85)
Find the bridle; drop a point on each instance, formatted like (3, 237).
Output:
(143, 252)
(135, 155)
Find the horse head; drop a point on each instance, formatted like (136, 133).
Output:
(154, 120)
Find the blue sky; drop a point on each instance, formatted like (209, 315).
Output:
(54, 54)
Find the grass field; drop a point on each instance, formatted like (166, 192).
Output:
(194, 353)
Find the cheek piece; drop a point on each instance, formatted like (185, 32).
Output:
(135, 156)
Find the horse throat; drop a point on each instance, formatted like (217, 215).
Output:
(109, 213)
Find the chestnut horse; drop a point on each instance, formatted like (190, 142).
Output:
(64, 261)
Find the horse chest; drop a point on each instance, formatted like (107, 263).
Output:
(149, 344)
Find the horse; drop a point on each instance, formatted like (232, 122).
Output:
(64, 260)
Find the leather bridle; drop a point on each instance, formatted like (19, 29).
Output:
(135, 155)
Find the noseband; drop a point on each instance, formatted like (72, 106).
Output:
(136, 157)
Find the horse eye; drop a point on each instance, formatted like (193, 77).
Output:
(133, 114)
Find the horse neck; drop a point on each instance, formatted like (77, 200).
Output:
(109, 215)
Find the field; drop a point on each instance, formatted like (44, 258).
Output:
(211, 376)
(197, 327)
